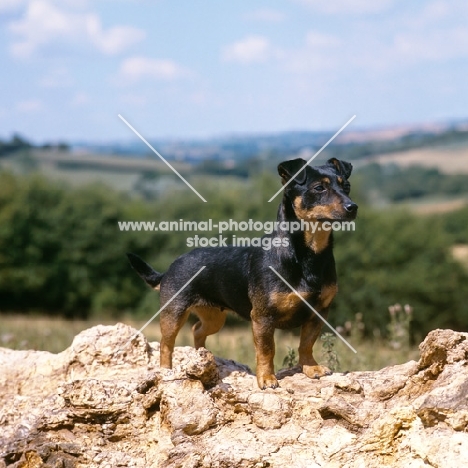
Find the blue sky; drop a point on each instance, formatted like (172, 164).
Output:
(206, 68)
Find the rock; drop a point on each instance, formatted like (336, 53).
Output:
(269, 411)
(441, 347)
(191, 415)
(202, 368)
(104, 402)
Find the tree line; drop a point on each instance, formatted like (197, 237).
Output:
(62, 253)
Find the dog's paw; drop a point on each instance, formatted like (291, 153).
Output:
(315, 372)
(267, 381)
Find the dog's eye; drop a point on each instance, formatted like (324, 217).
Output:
(319, 188)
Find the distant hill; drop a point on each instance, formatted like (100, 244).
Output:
(356, 144)
(132, 167)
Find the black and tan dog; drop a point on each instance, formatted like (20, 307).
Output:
(239, 278)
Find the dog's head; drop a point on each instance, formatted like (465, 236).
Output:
(319, 193)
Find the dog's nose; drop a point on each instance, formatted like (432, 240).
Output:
(351, 208)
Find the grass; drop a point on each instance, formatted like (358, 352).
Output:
(55, 335)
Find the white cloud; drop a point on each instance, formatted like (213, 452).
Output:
(320, 51)
(252, 49)
(45, 24)
(355, 7)
(434, 33)
(431, 33)
(114, 40)
(136, 68)
(439, 45)
(29, 106)
(266, 15)
(11, 5)
(435, 10)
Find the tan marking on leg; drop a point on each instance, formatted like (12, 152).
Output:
(264, 341)
(310, 331)
(211, 321)
(170, 323)
(327, 294)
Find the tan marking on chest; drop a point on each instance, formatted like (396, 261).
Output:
(327, 294)
(287, 302)
(317, 241)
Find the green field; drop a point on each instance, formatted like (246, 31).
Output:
(123, 173)
(448, 159)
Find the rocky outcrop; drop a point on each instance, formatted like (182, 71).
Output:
(98, 405)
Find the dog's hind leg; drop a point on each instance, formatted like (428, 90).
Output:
(172, 320)
(211, 321)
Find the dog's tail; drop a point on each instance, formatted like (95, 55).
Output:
(145, 271)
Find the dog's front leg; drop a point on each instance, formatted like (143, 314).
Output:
(263, 333)
(310, 331)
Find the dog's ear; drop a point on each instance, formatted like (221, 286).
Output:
(288, 169)
(342, 167)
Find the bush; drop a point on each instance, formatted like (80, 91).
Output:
(60, 249)
(395, 256)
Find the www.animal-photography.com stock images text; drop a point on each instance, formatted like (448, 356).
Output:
(233, 234)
